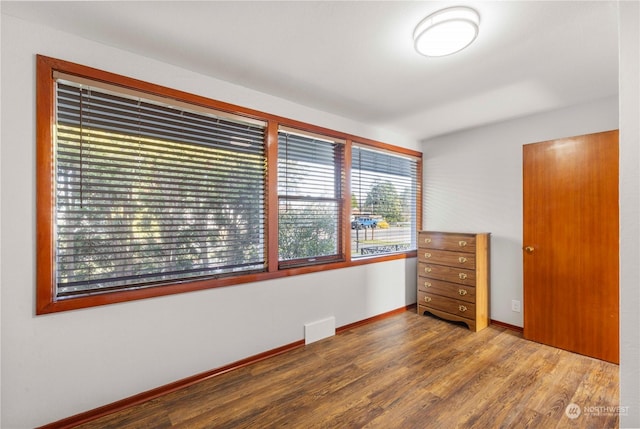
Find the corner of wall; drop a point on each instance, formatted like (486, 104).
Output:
(629, 70)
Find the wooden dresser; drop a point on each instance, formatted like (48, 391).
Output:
(453, 277)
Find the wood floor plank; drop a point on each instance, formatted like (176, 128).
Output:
(406, 371)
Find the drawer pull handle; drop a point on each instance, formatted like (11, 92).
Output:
(462, 308)
(427, 255)
(462, 259)
(427, 284)
(427, 299)
(462, 243)
(427, 240)
(462, 276)
(462, 292)
(427, 269)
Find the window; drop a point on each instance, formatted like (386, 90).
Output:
(310, 184)
(146, 191)
(383, 202)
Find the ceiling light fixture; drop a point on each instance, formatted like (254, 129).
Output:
(446, 31)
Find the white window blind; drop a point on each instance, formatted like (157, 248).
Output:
(309, 198)
(149, 194)
(383, 202)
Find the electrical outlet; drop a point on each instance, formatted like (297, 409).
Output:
(515, 306)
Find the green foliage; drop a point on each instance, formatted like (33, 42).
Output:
(117, 226)
(354, 201)
(383, 200)
(305, 232)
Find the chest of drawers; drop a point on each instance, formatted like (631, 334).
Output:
(453, 277)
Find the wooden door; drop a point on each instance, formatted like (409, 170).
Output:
(570, 244)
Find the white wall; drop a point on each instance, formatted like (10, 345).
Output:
(0, 257)
(57, 365)
(473, 183)
(629, 18)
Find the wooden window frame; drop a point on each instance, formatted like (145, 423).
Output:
(339, 174)
(367, 175)
(46, 299)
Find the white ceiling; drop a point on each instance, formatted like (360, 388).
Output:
(356, 58)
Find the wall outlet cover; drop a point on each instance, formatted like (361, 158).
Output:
(515, 306)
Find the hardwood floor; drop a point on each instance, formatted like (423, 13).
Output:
(407, 371)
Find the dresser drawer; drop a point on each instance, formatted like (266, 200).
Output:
(450, 290)
(444, 257)
(452, 306)
(438, 240)
(450, 274)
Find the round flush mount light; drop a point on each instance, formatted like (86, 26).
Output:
(446, 31)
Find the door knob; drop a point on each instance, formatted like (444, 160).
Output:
(529, 249)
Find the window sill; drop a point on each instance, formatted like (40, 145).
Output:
(75, 303)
